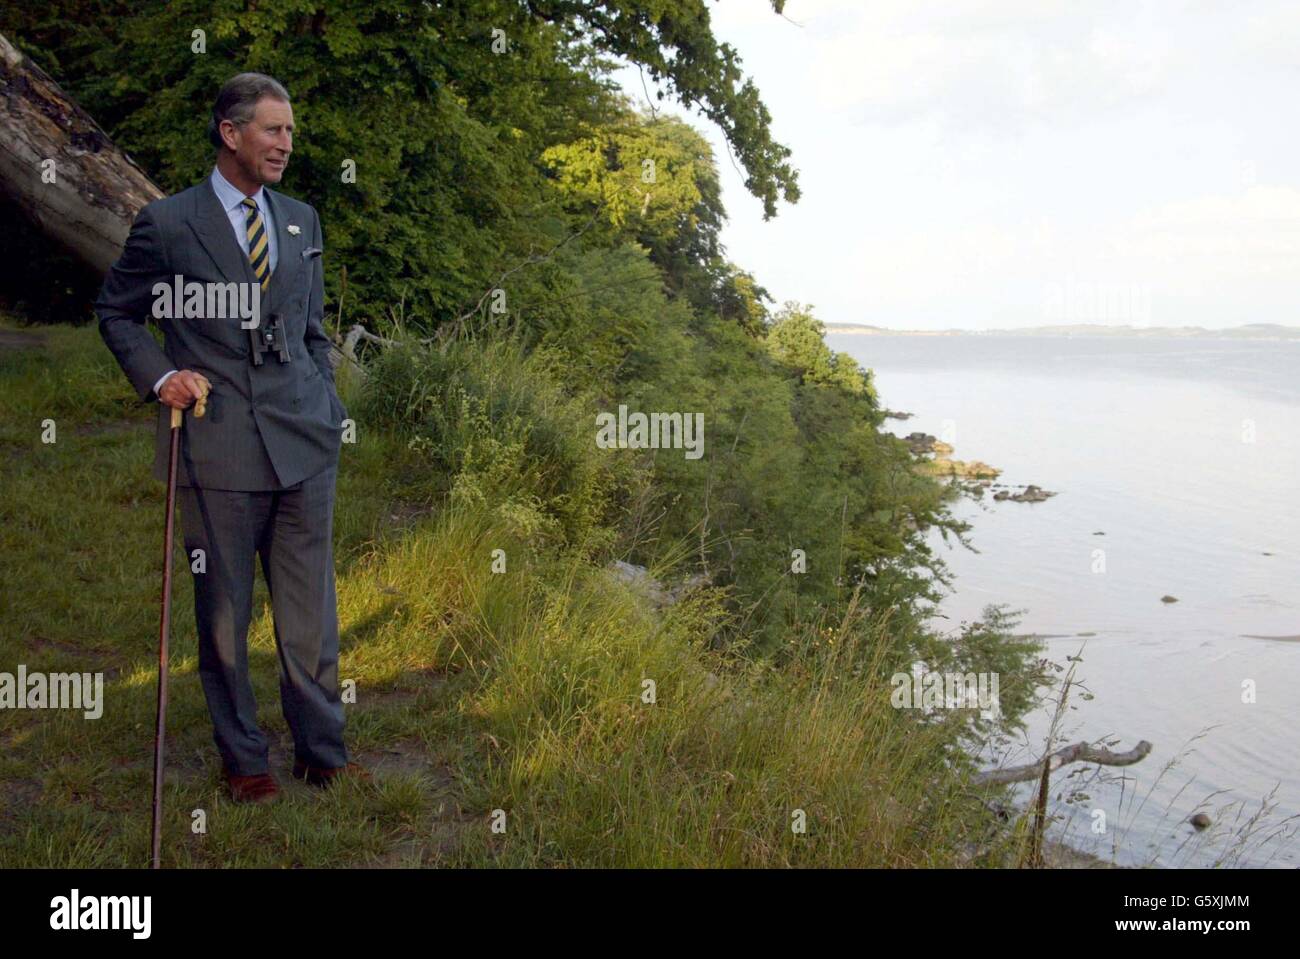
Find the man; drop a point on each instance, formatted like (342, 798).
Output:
(257, 471)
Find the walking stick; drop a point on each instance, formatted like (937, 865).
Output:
(164, 629)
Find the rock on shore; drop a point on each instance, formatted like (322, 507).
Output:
(923, 444)
(1030, 494)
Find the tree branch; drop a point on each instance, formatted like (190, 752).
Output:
(1078, 753)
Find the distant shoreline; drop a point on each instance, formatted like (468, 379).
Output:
(1250, 331)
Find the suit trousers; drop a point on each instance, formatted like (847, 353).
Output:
(292, 531)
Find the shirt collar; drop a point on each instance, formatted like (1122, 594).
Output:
(231, 196)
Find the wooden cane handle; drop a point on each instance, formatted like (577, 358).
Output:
(200, 407)
(201, 404)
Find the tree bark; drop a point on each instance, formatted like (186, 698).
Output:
(87, 199)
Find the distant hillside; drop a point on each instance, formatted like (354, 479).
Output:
(1249, 331)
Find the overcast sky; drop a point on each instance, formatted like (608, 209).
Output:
(1024, 162)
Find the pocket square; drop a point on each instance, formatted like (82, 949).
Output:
(311, 252)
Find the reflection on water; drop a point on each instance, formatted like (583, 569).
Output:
(1177, 464)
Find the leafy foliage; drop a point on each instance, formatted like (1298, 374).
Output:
(453, 115)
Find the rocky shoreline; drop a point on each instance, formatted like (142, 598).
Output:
(941, 464)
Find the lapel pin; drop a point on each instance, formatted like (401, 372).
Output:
(293, 229)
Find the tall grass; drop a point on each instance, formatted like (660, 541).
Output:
(611, 735)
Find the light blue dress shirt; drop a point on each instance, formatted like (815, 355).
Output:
(231, 199)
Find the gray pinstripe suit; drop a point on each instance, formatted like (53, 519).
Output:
(257, 472)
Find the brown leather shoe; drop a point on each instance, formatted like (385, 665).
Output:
(319, 776)
(261, 788)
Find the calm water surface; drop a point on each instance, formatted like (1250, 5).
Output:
(1178, 460)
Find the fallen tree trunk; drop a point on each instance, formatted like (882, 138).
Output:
(86, 198)
(1078, 753)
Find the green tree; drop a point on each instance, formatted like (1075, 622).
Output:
(446, 110)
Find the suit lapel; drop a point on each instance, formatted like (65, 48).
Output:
(288, 250)
(212, 226)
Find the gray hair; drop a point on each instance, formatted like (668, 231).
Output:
(238, 100)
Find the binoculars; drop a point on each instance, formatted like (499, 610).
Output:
(269, 338)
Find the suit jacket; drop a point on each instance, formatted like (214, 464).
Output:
(265, 427)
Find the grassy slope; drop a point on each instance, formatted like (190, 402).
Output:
(476, 692)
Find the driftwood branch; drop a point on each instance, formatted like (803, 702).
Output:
(1078, 753)
(347, 350)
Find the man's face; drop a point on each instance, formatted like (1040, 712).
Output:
(263, 144)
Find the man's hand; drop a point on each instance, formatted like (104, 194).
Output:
(182, 388)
